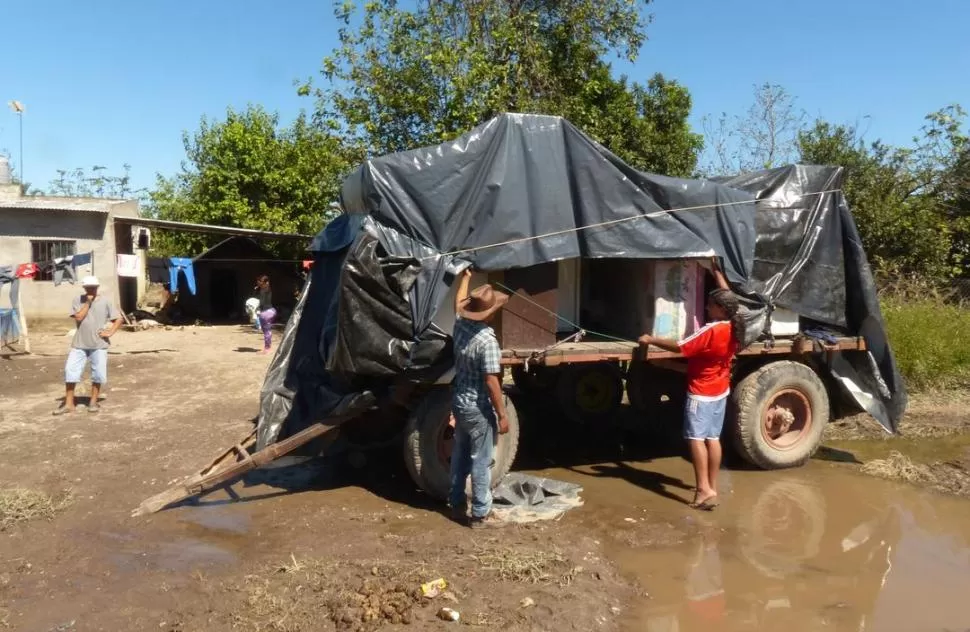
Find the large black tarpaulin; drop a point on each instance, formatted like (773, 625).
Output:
(521, 190)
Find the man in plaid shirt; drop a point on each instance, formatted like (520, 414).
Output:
(477, 401)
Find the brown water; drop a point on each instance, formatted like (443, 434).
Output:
(820, 547)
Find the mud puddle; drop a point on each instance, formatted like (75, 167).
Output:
(821, 547)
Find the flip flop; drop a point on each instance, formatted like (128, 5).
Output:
(63, 411)
(708, 504)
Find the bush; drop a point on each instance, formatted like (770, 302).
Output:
(931, 340)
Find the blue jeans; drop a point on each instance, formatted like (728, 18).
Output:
(471, 454)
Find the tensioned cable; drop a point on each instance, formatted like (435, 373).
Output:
(611, 222)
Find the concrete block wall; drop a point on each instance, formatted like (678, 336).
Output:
(92, 232)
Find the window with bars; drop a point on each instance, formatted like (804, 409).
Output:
(44, 252)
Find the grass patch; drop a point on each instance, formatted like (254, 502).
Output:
(530, 567)
(22, 505)
(931, 341)
(944, 477)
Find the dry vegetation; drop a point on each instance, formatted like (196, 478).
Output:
(951, 478)
(23, 505)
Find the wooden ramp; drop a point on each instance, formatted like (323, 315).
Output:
(232, 464)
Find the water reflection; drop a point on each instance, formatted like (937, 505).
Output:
(820, 548)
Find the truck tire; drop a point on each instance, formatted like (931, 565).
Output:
(660, 393)
(427, 444)
(538, 380)
(590, 392)
(781, 410)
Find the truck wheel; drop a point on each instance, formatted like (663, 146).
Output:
(428, 439)
(655, 392)
(536, 381)
(590, 392)
(782, 409)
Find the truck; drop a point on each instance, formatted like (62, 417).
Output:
(593, 253)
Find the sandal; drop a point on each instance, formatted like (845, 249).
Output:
(63, 410)
(708, 504)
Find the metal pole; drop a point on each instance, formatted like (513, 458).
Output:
(20, 115)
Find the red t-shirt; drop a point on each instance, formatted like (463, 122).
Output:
(709, 352)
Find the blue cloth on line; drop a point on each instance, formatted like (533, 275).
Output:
(183, 265)
(9, 326)
(82, 259)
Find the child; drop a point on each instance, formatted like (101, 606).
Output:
(709, 354)
(266, 313)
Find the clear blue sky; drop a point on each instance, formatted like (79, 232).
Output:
(111, 81)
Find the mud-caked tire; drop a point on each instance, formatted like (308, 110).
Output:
(427, 444)
(780, 411)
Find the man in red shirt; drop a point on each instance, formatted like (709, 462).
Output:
(709, 353)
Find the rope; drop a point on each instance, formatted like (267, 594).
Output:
(611, 222)
(558, 317)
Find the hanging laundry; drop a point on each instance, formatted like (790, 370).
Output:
(27, 270)
(82, 259)
(64, 270)
(9, 326)
(128, 265)
(183, 265)
(7, 277)
(158, 270)
(307, 264)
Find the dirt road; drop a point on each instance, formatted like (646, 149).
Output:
(329, 546)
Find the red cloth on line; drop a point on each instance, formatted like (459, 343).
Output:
(307, 264)
(26, 270)
(709, 353)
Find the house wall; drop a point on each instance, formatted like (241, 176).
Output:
(93, 232)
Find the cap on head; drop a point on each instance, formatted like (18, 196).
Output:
(90, 281)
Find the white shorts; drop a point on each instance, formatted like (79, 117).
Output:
(76, 360)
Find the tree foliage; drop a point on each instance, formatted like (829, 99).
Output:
(249, 172)
(405, 78)
(906, 200)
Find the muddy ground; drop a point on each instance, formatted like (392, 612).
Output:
(326, 546)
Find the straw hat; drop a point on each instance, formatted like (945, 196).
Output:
(482, 303)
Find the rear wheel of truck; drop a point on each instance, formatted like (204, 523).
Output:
(590, 392)
(538, 380)
(781, 409)
(429, 436)
(655, 391)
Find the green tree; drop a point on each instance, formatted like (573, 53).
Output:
(248, 172)
(407, 78)
(904, 199)
(96, 182)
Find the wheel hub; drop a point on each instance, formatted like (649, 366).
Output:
(786, 419)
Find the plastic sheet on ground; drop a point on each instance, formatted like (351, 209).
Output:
(524, 498)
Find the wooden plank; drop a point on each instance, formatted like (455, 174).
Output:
(222, 471)
(579, 352)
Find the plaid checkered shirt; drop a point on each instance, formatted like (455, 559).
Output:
(477, 354)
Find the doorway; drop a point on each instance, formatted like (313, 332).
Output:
(224, 293)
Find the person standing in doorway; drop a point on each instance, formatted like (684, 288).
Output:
(477, 401)
(97, 320)
(266, 312)
(709, 353)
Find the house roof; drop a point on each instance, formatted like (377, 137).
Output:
(209, 229)
(61, 204)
